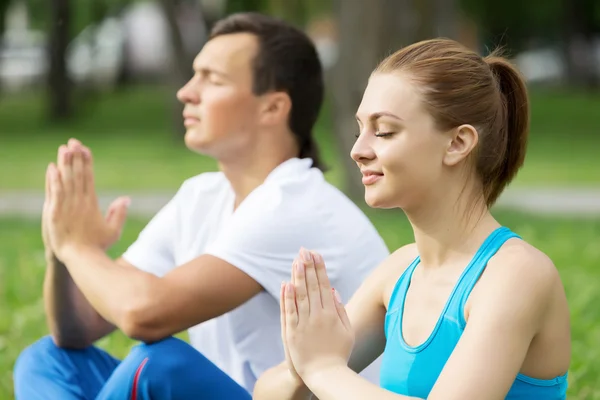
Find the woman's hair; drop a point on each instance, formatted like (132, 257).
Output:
(460, 87)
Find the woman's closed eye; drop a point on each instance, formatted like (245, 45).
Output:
(377, 134)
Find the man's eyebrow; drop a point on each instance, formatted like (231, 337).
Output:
(207, 71)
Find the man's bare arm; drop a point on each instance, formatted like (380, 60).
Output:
(72, 320)
(149, 308)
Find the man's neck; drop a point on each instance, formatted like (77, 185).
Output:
(245, 175)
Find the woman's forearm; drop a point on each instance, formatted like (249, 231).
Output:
(278, 384)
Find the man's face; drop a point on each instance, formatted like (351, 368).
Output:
(221, 112)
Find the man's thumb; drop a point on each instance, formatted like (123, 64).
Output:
(117, 213)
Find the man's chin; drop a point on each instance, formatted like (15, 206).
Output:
(195, 142)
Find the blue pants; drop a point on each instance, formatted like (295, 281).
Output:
(167, 370)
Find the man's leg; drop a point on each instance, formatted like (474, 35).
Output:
(170, 369)
(45, 371)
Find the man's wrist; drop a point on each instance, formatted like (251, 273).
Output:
(72, 251)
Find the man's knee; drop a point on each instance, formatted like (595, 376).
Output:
(167, 357)
(35, 355)
(155, 370)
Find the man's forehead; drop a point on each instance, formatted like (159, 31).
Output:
(230, 51)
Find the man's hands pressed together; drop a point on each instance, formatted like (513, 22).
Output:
(72, 219)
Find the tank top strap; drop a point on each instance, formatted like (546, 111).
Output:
(475, 268)
(396, 303)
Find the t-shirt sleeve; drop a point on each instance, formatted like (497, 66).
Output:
(153, 251)
(262, 242)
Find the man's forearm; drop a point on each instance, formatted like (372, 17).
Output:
(70, 317)
(114, 291)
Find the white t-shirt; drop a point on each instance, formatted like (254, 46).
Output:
(294, 207)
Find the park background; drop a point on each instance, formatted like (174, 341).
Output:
(106, 72)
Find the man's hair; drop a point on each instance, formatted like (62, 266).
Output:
(286, 61)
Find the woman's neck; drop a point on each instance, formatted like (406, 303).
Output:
(447, 229)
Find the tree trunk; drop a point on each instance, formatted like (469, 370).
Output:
(59, 85)
(182, 54)
(368, 31)
(578, 36)
(446, 19)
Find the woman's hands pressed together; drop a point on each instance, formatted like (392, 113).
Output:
(315, 328)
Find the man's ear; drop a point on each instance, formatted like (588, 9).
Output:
(461, 143)
(275, 108)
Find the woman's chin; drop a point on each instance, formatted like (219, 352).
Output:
(375, 200)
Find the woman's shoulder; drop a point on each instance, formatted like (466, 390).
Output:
(520, 275)
(517, 259)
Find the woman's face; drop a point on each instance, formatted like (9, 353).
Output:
(399, 150)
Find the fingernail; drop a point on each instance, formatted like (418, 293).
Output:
(317, 258)
(305, 255)
(300, 268)
(127, 201)
(337, 296)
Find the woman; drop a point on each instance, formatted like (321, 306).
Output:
(469, 311)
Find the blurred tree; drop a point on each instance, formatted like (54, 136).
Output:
(4, 4)
(514, 23)
(436, 18)
(234, 6)
(294, 11)
(182, 54)
(375, 28)
(59, 85)
(580, 29)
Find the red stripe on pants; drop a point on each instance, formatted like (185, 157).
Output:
(136, 378)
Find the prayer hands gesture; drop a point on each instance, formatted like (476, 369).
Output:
(315, 328)
(71, 216)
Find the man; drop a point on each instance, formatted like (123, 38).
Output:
(212, 260)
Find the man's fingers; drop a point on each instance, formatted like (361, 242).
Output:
(65, 160)
(88, 171)
(47, 182)
(61, 156)
(73, 143)
(117, 214)
(55, 189)
(78, 171)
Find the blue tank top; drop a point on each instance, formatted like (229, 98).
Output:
(412, 371)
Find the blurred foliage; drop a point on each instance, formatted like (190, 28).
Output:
(83, 12)
(516, 22)
(512, 22)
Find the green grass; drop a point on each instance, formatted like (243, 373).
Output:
(571, 243)
(131, 133)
